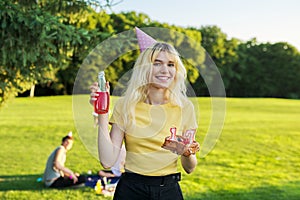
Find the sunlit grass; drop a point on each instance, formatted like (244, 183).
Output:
(256, 157)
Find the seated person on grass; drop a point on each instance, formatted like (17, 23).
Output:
(56, 175)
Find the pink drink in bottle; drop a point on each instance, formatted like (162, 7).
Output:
(101, 105)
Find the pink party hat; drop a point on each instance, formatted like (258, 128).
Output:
(70, 134)
(144, 40)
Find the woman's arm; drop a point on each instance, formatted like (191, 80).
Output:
(109, 142)
(188, 158)
(189, 163)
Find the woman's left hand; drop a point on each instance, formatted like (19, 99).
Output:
(180, 148)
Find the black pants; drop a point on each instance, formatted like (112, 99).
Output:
(62, 182)
(138, 187)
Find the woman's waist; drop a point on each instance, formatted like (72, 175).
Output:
(152, 180)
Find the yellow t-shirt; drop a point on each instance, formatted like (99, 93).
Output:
(144, 140)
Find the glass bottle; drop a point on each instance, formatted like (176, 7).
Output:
(101, 105)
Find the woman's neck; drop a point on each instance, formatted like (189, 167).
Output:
(157, 97)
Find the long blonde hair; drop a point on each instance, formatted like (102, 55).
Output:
(137, 89)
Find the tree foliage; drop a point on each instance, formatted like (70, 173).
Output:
(45, 42)
(40, 39)
(33, 40)
(267, 70)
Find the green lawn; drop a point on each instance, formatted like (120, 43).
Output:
(256, 157)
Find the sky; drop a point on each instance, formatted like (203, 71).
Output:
(266, 20)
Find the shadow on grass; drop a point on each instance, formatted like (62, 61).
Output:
(21, 182)
(289, 191)
(27, 183)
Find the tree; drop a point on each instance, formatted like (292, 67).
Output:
(221, 52)
(267, 70)
(35, 42)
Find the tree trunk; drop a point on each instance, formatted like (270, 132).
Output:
(32, 90)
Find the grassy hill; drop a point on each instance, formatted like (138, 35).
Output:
(256, 157)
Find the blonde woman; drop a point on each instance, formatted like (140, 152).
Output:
(155, 101)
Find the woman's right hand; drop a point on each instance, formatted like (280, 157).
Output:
(94, 88)
(93, 96)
